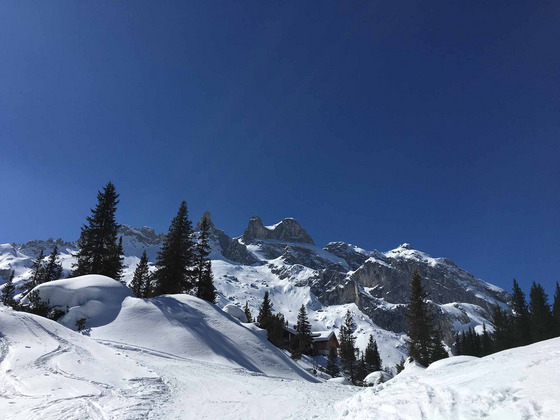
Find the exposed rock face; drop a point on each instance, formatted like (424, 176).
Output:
(288, 230)
(145, 235)
(230, 248)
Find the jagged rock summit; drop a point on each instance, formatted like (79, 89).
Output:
(287, 230)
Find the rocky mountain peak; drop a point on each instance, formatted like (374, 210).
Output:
(287, 230)
(206, 216)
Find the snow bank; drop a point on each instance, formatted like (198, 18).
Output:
(94, 297)
(339, 381)
(519, 383)
(236, 312)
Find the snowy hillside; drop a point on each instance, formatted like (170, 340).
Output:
(181, 325)
(520, 383)
(48, 371)
(283, 259)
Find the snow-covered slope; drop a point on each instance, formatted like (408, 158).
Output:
(520, 383)
(179, 325)
(49, 371)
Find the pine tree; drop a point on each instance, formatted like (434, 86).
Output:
(458, 345)
(248, 312)
(556, 311)
(139, 282)
(371, 356)
(206, 289)
(347, 346)
(37, 273)
(265, 312)
(53, 269)
(542, 324)
(99, 250)
(485, 342)
(202, 248)
(175, 260)
(419, 323)
(8, 292)
(332, 363)
(502, 330)
(437, 351)
(521, 322)
(303, 328)
(361, 370)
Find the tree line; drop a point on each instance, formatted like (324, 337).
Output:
(347, 359)
(527, 323)
(182, 264)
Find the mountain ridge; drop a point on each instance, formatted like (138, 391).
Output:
(284, 260)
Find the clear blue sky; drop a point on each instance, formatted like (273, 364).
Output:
(370, 122)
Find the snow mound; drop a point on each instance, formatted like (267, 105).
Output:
(49, 371)
(96, 298)
(451, 361)
(236, 312)
(376, 378)
(339, 381)
(519, 383)
(183, 326)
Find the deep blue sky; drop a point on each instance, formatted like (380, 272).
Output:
(370, 122)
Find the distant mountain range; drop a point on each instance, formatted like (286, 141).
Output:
(284, 260)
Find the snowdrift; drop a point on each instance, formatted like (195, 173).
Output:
(179, 326)
(520, 383)
(49, 371)
(94, 297)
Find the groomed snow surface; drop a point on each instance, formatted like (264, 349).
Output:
(178, 357)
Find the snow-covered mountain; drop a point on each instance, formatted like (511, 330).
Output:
(284, 260)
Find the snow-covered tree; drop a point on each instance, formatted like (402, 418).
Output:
(8, 291)
(248, 313)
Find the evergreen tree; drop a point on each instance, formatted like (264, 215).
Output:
(347, 346)
(202, 248)
(175, 260)
(458, 345)
(275, 329)
(206, 289)
(361, 370)
(36, 305)
(419, 323)
(542, 324)
(502, 329)
(332, 363)
(53, 269)
(485, 342)
(248, 312)
(8, 292)
(37, 273)
(141, 277)
(437, 351)
(303, 328)
(265, 312)
(371, 357)
(399, 367)
(521, 322)
(99, 250)
(556, 311)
